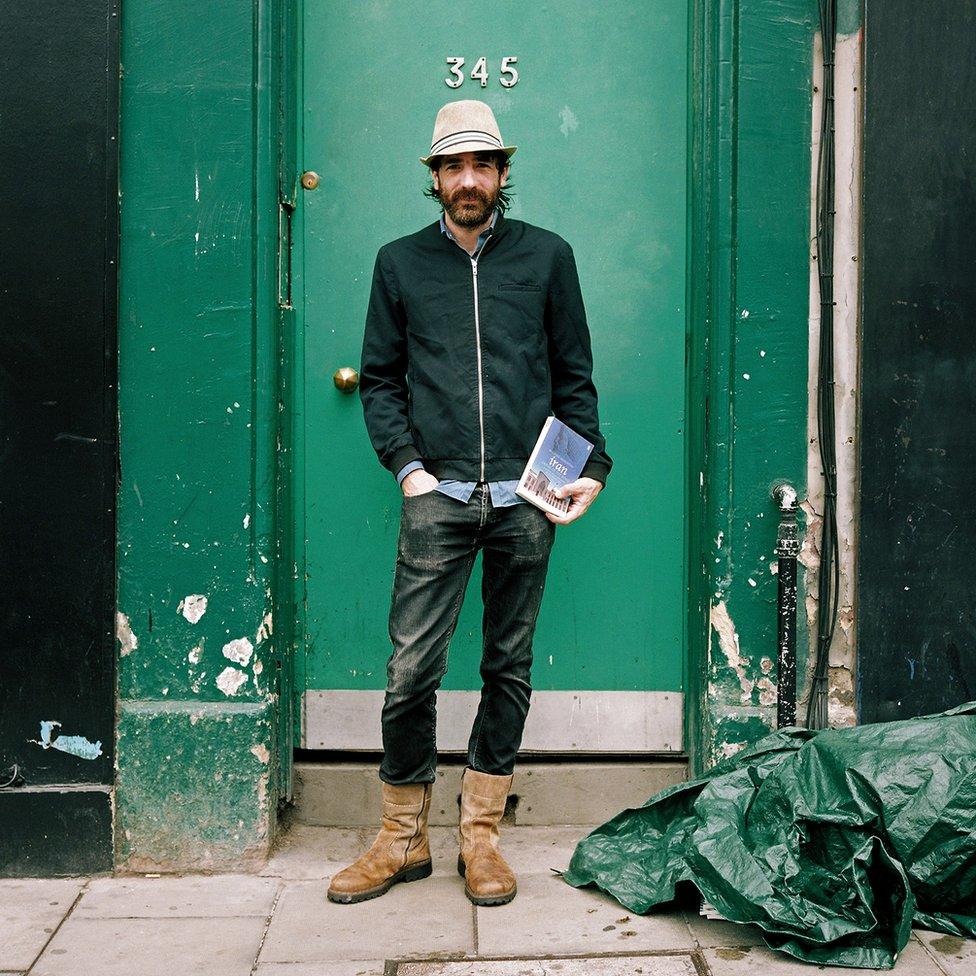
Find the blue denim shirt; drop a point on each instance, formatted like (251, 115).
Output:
(502, 492)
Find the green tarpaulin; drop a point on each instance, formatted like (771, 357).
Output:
(834, 843)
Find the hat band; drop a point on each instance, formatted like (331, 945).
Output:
(467, 135)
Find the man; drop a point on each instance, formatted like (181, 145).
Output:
(475, 333)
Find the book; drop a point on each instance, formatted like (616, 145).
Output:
(557, 459)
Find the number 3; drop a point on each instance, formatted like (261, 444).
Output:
(456, 65)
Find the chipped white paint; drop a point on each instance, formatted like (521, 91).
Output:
(195, 654)
(194, 606)
(128, 642)
(752, 582)
(728, 642)
(258, 668)
(75, 745)
(569, 120)
(719, 538)
(847, 229)
(745, 313)
(247, 520)
(229, 681)
(260, 752)
(239, 651)
(264, 631)
(746, 376)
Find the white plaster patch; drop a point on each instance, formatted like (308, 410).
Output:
(728, 642)
(264, 631)
(229, 681)
(239, 651)
(193, 607)
(570, 122)
(123, 632)
(260, 752)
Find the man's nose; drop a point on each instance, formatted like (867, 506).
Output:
(467, 177)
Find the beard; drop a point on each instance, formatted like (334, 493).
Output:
(470, 208)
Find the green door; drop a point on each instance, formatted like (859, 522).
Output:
(599, 112)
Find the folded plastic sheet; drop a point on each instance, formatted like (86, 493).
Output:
(833, 843)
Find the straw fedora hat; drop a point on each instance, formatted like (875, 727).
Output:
(465, 126)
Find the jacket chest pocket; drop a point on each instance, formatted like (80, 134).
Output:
(519, 286)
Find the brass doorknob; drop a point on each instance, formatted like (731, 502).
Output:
(346, 379)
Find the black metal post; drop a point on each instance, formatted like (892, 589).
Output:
(787, 549)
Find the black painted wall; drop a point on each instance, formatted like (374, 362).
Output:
(917, 575)
(59, 66)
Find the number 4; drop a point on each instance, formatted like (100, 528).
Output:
(480, 72)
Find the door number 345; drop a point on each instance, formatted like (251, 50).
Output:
(508, 75)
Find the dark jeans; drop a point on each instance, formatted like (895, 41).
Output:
(439, 539)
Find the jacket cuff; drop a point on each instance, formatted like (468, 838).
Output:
(403, 455)
(596, 470)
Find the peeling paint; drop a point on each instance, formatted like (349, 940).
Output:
(229, 681)
(728, 642)
(264, 631)
(75, 745)
(239, 651)
(195, 654)
(260, 752)
(193, 607)
(128, 642)
(569, 121)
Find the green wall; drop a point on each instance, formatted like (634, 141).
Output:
(198, 762)
(197, 771)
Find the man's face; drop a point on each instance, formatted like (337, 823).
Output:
(468, 184)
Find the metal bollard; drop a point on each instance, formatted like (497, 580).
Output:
(787, 549)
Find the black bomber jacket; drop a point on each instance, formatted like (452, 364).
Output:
(463, 359)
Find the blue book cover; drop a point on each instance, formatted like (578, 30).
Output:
(557, 459)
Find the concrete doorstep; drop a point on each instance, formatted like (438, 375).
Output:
(279, 923)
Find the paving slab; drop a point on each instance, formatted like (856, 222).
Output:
(709, 933)
(563, 966)
(219, 896)
(30, 910)
(375, 967)
(422, 918)
(956, 956)
(746, 961)
(550, 917)
(152, 947)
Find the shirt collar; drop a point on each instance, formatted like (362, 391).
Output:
(482, 237)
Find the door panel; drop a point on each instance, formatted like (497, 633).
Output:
(599, 113)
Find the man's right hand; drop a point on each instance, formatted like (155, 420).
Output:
(418, 482)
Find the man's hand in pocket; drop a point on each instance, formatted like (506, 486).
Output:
(418, 482)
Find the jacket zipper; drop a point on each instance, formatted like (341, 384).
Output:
(477, 336)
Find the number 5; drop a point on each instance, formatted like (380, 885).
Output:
(507, 69)
(456, 65)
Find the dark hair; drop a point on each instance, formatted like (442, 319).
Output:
(501, 160)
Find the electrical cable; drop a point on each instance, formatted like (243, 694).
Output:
(828, 581)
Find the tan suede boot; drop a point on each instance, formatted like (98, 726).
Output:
(488, 880)
(399, 853)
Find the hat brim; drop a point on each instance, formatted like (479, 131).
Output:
(470, 147)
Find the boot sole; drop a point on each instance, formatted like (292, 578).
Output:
(485, 901)
(415, 872)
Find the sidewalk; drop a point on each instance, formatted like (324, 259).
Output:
(280, 924)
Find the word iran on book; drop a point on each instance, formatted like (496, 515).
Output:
(557, 459)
